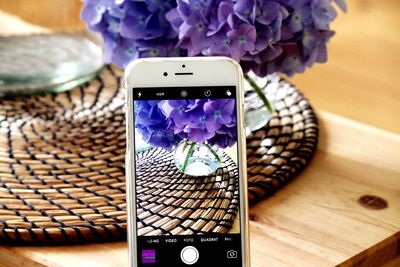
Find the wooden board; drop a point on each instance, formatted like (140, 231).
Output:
(54, 14)
(315, 220)
(361, 78)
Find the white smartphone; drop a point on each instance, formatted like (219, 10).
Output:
(186, 163)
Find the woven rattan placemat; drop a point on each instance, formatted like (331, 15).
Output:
(62, 166)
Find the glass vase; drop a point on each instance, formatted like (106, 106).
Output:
(260, 94)
(197, 159)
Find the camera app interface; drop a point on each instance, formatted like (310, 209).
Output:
(187, 177)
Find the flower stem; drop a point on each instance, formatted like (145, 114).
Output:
(188, 155)
(214, 152)
(260, 93)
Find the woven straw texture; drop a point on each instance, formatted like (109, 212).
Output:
(170, 202)
(62, 176)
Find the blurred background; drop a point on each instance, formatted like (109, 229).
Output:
(360, 81)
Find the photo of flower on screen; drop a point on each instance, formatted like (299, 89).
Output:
(187, 125)
(186, 167)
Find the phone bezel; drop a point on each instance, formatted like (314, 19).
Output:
(206, 71)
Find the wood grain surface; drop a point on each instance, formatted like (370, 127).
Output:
(53, 14)
(362, 78)
(317, 219)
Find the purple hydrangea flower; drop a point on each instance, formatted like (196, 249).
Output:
(224, 137)
(152, 124)
(245, 10)
(322, 13)
(92, 11)
(218, 113)
(242, 40)
(265, 36)
(123, 52)
(301, 16)
(177, 112)
(165, 123)
(132, 29)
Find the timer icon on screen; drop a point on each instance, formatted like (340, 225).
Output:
(207, 93)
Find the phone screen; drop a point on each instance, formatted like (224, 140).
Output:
(187, 177)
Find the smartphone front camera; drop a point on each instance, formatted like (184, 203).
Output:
(184, 93)
(183, 66)
(165, 74)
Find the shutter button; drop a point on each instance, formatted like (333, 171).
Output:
(189, 255)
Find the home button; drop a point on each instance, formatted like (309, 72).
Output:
(189, 255)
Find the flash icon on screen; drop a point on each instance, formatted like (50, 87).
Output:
(139, 94)
(228, 93)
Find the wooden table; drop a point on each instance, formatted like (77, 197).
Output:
(317, 219)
